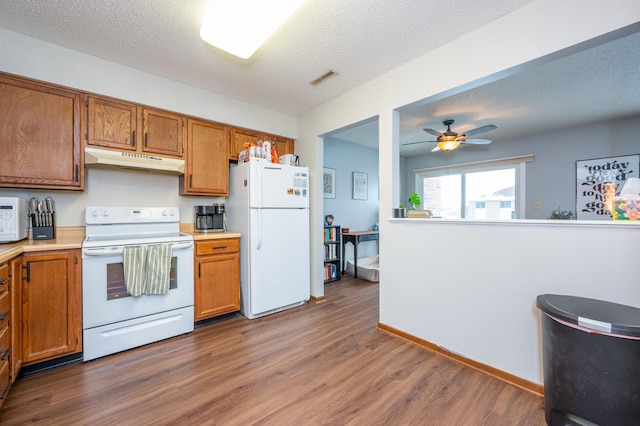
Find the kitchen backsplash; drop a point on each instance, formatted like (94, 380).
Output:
(117, 188)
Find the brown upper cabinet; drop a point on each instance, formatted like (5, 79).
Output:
(283, 145)
(130, 127)
(207, 162)
(40, 135)
(239, 137)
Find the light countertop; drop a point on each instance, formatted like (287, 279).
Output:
(71, 238)
(66, 238)
(187, 228)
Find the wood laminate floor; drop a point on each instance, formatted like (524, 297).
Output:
(320, 364)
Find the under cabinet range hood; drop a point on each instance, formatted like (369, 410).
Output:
(132, 160)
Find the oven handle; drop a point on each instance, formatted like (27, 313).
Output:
(110, 251)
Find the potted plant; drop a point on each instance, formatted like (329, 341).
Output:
(561, 214)
(415, 201)
(401, 211)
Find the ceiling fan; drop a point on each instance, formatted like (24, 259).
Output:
(449, 140)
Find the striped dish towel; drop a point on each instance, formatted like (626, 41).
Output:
(158, 269)
(134, 269)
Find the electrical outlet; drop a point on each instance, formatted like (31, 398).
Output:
(536, 204)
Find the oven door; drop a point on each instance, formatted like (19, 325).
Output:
(104, 295)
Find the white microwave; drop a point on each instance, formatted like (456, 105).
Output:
(13, 219)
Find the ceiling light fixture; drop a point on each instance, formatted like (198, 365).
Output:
(448, 145)
(240, 27)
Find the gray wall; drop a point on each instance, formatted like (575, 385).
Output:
(550, 178)
(357, 215)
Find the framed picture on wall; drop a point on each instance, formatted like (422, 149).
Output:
(360, 186)
(598, 181)
(329, 182)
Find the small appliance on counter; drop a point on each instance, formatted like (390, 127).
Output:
(13, 219)
(210, 218)
(41, 212)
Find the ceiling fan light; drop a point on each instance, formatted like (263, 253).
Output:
(240, 27)
(448, 145)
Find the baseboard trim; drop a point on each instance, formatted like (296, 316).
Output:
(502, 375)
(317, 299)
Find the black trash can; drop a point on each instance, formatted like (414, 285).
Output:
(591, 361)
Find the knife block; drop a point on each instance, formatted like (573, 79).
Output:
(39, 232)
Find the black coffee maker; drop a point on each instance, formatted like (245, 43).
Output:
(210, 218)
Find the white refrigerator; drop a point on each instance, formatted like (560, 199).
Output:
(268, 205)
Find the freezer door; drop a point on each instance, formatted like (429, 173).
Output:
(279, 271)
(277, 185)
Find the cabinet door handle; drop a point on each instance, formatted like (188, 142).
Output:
(27, 269)
(146, 136)
(4, 355)
(133, 138)
(4, 281)
(4, 315)
(4, 391)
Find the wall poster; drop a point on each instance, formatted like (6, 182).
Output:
(598, 180)
(360, 186)
(329, 182)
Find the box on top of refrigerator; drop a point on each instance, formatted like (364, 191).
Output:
(289, 159)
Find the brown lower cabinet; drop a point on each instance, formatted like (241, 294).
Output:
(15, 356)
(217, 277)
(51, 305)
(5, 330)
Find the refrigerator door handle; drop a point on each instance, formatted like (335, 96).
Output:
(259, 230)
(258, 183)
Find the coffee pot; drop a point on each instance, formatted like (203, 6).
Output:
(210, 218)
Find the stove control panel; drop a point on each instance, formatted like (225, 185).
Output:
(114, 215)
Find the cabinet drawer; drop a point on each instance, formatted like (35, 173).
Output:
(4, 275)
(5, 308)
(369, 237)
(5, 342)
(4, 380)
(226, 245)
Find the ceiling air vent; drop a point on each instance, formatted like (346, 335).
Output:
(323, 77)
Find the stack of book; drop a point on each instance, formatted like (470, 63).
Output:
(330, 234)
(330, 271)
(330, 252)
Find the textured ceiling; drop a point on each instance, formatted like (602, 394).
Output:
(360, 39)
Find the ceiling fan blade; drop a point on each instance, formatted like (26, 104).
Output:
(433, 132)
(476, 141)
(415, 143)
(479, 130)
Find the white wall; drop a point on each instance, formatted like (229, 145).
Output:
(357, 215)
(532, 34)
(43, 61)
(471, 287)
